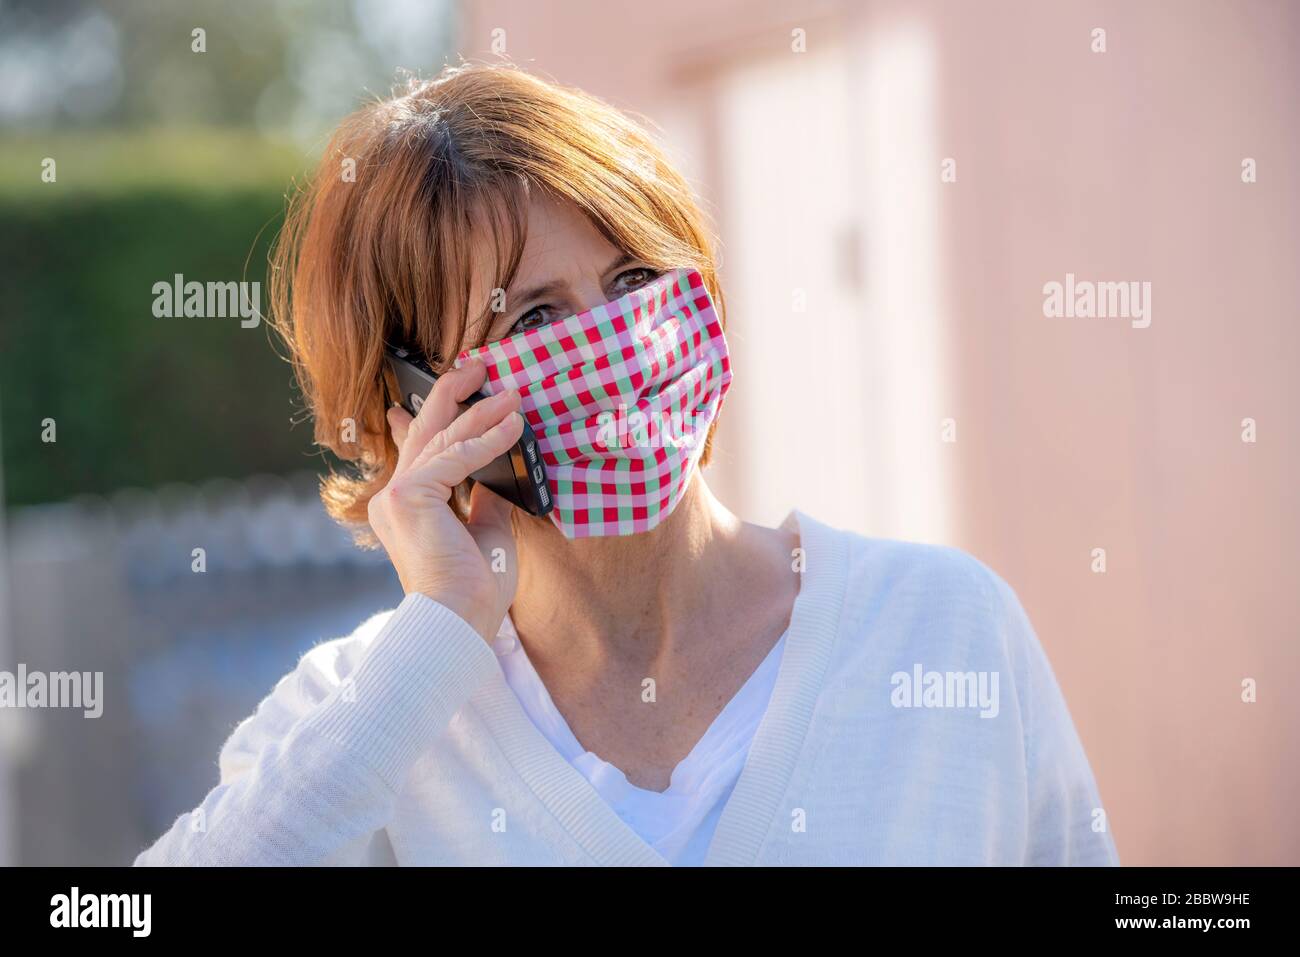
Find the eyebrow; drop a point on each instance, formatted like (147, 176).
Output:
(553, 287)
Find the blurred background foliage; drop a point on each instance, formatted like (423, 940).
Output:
(167, 161)
(172, 434)
(137, 400)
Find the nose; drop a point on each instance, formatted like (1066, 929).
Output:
(588, 293)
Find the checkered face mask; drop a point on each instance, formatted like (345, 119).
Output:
(620, 398)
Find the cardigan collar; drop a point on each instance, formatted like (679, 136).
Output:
(759, 795)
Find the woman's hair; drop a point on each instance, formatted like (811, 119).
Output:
(418, 194)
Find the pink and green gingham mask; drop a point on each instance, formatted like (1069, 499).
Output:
(620, 398)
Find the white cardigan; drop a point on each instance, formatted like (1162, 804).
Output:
(403, 744)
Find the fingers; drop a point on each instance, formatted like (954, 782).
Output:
(471, 423)
(488, 511)
(439, 409)
(489, 523)
(399, 423)
(457, 461)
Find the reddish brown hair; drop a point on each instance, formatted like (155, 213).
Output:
(412, 196)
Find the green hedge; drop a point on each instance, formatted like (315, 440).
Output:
(138, 400)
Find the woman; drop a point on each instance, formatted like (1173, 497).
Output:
(638, 677)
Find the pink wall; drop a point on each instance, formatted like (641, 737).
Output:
(1072, 433)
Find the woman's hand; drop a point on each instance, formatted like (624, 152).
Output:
(433, 552)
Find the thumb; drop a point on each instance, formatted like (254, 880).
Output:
(489, 526)
(489, 522)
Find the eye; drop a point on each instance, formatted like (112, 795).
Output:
(627, 281)
(534, 318)
(632, 279)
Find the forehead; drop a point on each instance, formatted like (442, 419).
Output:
(561, 243)
(559, 246)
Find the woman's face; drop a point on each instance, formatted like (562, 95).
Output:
(567, 267)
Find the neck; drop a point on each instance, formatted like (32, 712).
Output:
(635, 597)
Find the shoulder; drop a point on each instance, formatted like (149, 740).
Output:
(908, 603)
(320, 671)
(933, 628)
(916, 613)
(916, 565)
(933, 582)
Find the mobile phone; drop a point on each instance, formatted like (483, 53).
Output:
(518, 475)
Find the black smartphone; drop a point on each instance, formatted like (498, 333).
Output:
(518, 476)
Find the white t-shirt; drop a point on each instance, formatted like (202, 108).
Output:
(678, 822)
